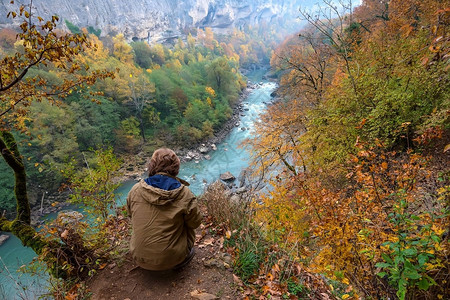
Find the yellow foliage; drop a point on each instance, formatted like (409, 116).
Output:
(210, 91)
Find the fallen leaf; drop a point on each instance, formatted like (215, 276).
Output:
(276, 268)
(207, 242)
(237, 280)
(325, 296)
(447, 148)
(196, 294)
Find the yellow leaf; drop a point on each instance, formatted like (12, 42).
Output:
(437, 230)
(131, 75)
(228, 234)
(345, 296)
(447, 148)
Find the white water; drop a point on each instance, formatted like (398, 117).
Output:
(229, 156)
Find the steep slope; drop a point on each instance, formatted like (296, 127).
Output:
(156, 20)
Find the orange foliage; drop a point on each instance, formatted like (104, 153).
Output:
(342, 232)
(350, 214)
(279, 130)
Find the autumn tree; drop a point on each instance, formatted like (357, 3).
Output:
(279, 128)
(42, 46)
(309, 66)
(332, 20)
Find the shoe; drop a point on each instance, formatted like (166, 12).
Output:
(186, 261)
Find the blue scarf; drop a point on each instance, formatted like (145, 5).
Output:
(163, 182)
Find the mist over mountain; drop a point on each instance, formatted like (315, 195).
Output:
(162, 20)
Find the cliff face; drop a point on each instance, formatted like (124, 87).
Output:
(160, 20)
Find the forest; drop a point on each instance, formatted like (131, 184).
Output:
(353, 152)
(174, 96)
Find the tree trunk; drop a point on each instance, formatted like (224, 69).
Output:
(20, 226)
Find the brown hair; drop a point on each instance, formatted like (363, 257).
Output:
(164, 160)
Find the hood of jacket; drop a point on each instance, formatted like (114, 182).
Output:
(157, 196)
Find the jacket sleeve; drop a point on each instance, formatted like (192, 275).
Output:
(193, 217)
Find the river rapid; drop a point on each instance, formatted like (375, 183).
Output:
(231, 155)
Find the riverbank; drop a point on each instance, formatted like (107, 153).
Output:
(136, 165)
(199, 151)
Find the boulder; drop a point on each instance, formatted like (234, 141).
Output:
(217, 186)
(235, 199)
(3, 238)
(227, 177)
(241, 190)
(213, 147)
(193, 155)
(203, 149)
(242, 177)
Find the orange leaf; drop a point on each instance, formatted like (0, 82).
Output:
(265, 289)
(276, 268)
(71, 296)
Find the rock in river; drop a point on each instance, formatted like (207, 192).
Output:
(3, 238)
(227, 176)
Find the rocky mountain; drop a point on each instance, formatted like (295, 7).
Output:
(160, 20)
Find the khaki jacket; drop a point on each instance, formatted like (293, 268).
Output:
(162, 221)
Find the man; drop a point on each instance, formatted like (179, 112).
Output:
(164, 215)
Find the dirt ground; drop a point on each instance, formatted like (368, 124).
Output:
(208, 276)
